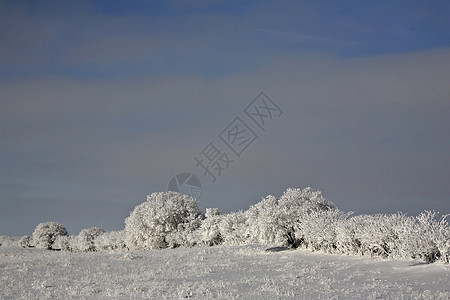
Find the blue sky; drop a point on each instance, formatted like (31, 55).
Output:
(102, 102)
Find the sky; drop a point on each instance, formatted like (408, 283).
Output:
(103, 102)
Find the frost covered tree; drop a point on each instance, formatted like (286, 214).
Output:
(162, 221)
(85, 239)
(45, 234)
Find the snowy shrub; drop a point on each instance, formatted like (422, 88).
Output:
(84, 241)
(318, 229)
(45, 234)
(296, 204)
(184, 236)
(398, 236)
(433, 237)
(375, 234)
(156, 223)
(26, 241)
(381, 235)
(346, 241)
(233, 228)
(334, 231)
(272, 220)
(267, 221)
(111, 240)
(442, 239)
(209, 232)
(64, 242)
(228, 229)
(401, 240)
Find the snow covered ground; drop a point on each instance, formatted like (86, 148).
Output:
(225, 272)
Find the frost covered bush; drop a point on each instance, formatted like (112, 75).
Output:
(45, 234)
(304, 218)
(26, 241)
(84, 241)
(64, 242)
(165, 219)
(398, 235)
(184, 236)
(432, 237)
(111, 240)
(387, 236)
(318, 229)
(227, 229)
(234, 228)
(209, 233)
(401, 236)
(267, 221)
(275, 220)
(346, 242)
(378, 235)
(371, 233)
(295, 205)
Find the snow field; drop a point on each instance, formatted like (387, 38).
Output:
(219, 272)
